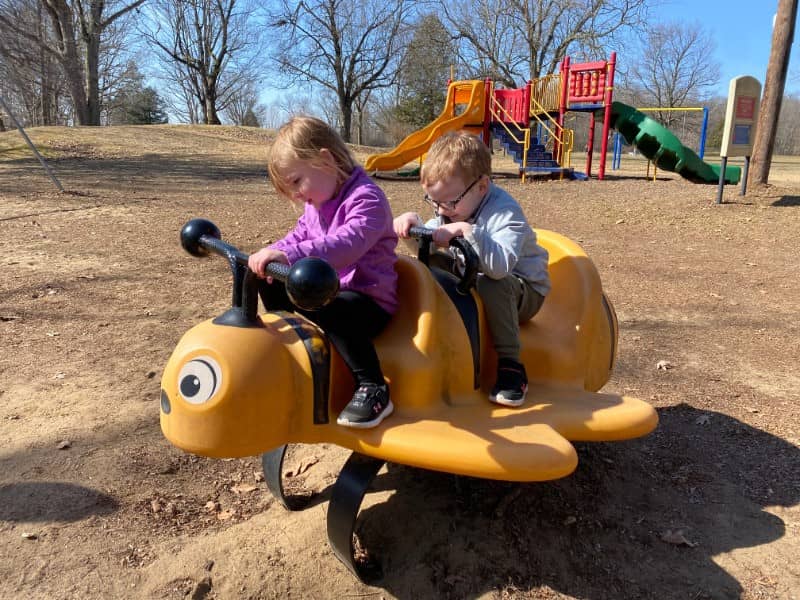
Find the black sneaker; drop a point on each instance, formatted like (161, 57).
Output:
(512, 383)
(370, 405)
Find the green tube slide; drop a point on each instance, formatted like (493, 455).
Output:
(660, 145)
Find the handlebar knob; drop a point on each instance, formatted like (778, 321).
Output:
(193, 231)
(311, 283)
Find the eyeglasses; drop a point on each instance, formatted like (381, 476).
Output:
(452, 203)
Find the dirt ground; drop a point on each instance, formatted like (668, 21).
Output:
(96, 291)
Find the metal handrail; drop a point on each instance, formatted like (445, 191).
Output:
(565, 139)
(526, 133)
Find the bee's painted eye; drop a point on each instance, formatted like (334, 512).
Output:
(199, 380)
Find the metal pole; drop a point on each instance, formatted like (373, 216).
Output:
(703, 131)
(607, 95)
(723, 165)
(744, 175)
(30, 144)
(590, 146)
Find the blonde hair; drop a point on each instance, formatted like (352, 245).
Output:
(456, 154)
(302, 138)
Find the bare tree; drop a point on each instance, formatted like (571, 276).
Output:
(787, 139)
(273, 115)
(516, 40)
(675, 68)
(347, 46)
(77, 27)
(183, 90)
(212, 44)
(30, 73)
(278, 110)
(116, 56)
(244, 107)
(361, 105)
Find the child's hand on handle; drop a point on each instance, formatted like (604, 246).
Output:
(442, 235)
(258, 261)
(405, 222)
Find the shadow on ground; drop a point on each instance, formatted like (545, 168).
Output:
(640, 519)
(52, 501)
(145, 171)
(787, 201)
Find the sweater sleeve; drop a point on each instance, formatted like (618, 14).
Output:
(363, 224)
(294, 237)
(499, 248)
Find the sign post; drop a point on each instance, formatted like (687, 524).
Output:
(741, 116)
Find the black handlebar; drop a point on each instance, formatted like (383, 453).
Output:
(199, 237)
(471, 260)
(310, 282)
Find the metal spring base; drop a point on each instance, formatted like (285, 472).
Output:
(346, 497)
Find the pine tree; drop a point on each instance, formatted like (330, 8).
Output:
(250, 119)
(134, 103)
(145, 107)
(425, 71)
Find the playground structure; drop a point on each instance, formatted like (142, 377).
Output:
(661, 147)
(511, 116)
(616, 158)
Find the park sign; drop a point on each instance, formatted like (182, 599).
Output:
(744, 96)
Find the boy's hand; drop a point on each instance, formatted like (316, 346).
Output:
(259, 260)
(445, 233)
(405, 222)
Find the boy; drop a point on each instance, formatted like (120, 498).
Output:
(513, 278)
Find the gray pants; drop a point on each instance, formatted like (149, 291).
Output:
(507, 302)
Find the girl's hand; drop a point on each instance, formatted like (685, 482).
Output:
(405, 222)
(445, 233)
(258, 261)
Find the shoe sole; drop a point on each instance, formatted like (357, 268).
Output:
(367, 424)
(503, 401)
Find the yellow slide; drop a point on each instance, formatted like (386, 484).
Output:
(470, 93)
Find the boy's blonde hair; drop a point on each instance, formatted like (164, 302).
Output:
(456, 154)
(302, 138)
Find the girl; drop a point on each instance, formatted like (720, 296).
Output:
(348, 222)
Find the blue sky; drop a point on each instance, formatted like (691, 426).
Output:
(742, 30)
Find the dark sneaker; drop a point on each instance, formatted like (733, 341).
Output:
(370, 405)
(512, 383)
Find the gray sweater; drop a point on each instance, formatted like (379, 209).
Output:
(504, 240)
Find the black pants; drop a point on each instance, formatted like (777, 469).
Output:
(351, 320)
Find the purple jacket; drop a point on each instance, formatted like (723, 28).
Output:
(353, 232)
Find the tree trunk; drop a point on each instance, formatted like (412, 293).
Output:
(770, 109)
(347, 119)
(77, 92)
(210, 109)
(49, 95)
(92, 68)
(69, 57)
(47, 86)
(82, 71)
